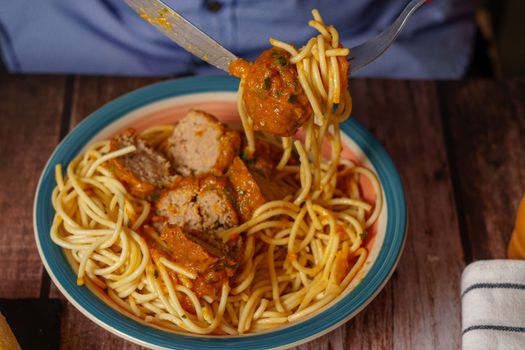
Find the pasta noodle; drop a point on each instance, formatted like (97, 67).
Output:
(300, 253)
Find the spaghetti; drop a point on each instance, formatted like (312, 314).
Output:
(300, 253)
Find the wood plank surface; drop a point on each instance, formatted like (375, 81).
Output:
(487, 127)
(404, 116)
(459, 147)
(91, 93)
(30, 119)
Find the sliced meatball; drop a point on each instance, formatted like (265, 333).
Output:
(213, 260)
(248, 193)
(179, 206)
(216, 200)
(142, 171)
(253, 187)
(185, 251)
(201, 144)
(212, 269)
(216, 246)
(199, 204)
(173, 244)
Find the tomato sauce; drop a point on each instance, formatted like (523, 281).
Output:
(273, 96)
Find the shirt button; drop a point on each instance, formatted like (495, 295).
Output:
(214, 6)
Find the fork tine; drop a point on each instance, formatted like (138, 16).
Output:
(370, 50)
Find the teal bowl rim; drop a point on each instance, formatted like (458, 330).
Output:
(92, 306)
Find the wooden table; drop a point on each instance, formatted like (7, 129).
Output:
(459, 147)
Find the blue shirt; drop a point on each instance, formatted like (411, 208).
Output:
(107, 37)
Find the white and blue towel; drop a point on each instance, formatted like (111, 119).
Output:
(493, 305)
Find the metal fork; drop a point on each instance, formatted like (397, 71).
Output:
(193, 40)
(370, 50)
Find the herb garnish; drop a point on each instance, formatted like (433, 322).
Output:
(154, 195)
(229, 196)
(292, 98)
(281, 61)
(232, 266)
(251, 161)
(267, 83)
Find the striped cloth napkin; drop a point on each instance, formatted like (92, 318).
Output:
(493, 305)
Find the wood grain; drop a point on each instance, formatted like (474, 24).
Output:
(487, 127)
(404, 116)
(30, 116)
(91, 93)
(365, 331)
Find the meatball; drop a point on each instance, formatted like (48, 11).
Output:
(248, 193)
(253, 187)
(216, 201)
(273, 96)
(172, 243)
(142, 171)
(178, 206)
(201, 144)
(212, 260)
(199, 204)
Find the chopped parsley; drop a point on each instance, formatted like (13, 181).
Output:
(251, 161)
(156, 274)
(362, 235)
(281, 61)
(229, 196)
(292, 98)
(267, 83)
(184, 316)
(232, 266)
(154, 195)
